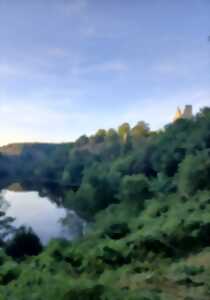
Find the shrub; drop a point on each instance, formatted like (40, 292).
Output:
(24, 243)
(85, 293)
(135, 188)
(117, 231)
(9, 272)
(194, 173)
(114, 257)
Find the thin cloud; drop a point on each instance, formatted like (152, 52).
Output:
(89, 32)
(20, 71)
(73, 7)
(112, 66)
(24, 121)
(57, 52)
(59, 122)
(168, 68)
(9, 70)
(183, 65)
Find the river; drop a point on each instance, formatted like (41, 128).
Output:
(42, 211)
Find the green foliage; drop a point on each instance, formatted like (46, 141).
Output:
(112, 136)
(112, 146)
(162, 184)
(82, 141)
(24, 243)
(98, 189)
(135, 188)
(90, 292)
(194, 173)
(117, 231)
(78, 160)
(85, 198)
(139, 132)
(6, 223)
(9, 272)
(124, 131)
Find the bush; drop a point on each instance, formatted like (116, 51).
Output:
(113, 257)
(9, 272)
(24, 243)
(135, 188)
(117, 231)
(194, 173)
(85, 293)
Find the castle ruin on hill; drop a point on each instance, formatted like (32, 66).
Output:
(187, 113)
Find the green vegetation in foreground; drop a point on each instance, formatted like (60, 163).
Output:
(149, 193)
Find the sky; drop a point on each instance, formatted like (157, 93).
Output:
(70, 67)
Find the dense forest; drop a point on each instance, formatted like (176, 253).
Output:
(147, 197)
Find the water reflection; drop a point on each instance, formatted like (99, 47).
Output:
(41, 209)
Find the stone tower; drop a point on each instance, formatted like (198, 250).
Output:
(188, 112)
(178, 114)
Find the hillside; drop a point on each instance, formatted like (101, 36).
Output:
(147, 196)
(19, 148)
(20, 160)
(36, 149)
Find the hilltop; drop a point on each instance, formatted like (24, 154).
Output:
(18, 149)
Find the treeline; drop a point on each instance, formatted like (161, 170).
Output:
(128, 163)
(66, 162)
(137, 164)
(29, 161)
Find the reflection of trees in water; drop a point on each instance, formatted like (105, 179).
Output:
(73, 225)
(6, 227)
(52, 191)
(15, 187)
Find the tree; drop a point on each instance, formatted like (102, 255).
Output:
(98, 189)
(78, 161)
(82, 141)
(112, 146)
(105, 183)
(162, 184)
(99, 137)
(112, 135)
(135, 188)
(142, 160)
(24, 243)
(194, 173)
(6, 227)
(124, 131)
(141, 130)
(84, 200)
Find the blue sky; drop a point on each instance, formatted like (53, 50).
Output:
(70, 67)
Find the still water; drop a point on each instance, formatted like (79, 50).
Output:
(47, 218)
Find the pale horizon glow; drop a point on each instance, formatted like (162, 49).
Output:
(71, 67)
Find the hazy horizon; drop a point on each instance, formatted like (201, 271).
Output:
(73, 140)
(70, 67)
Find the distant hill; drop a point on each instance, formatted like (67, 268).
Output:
(25, 160)
(17, 149)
